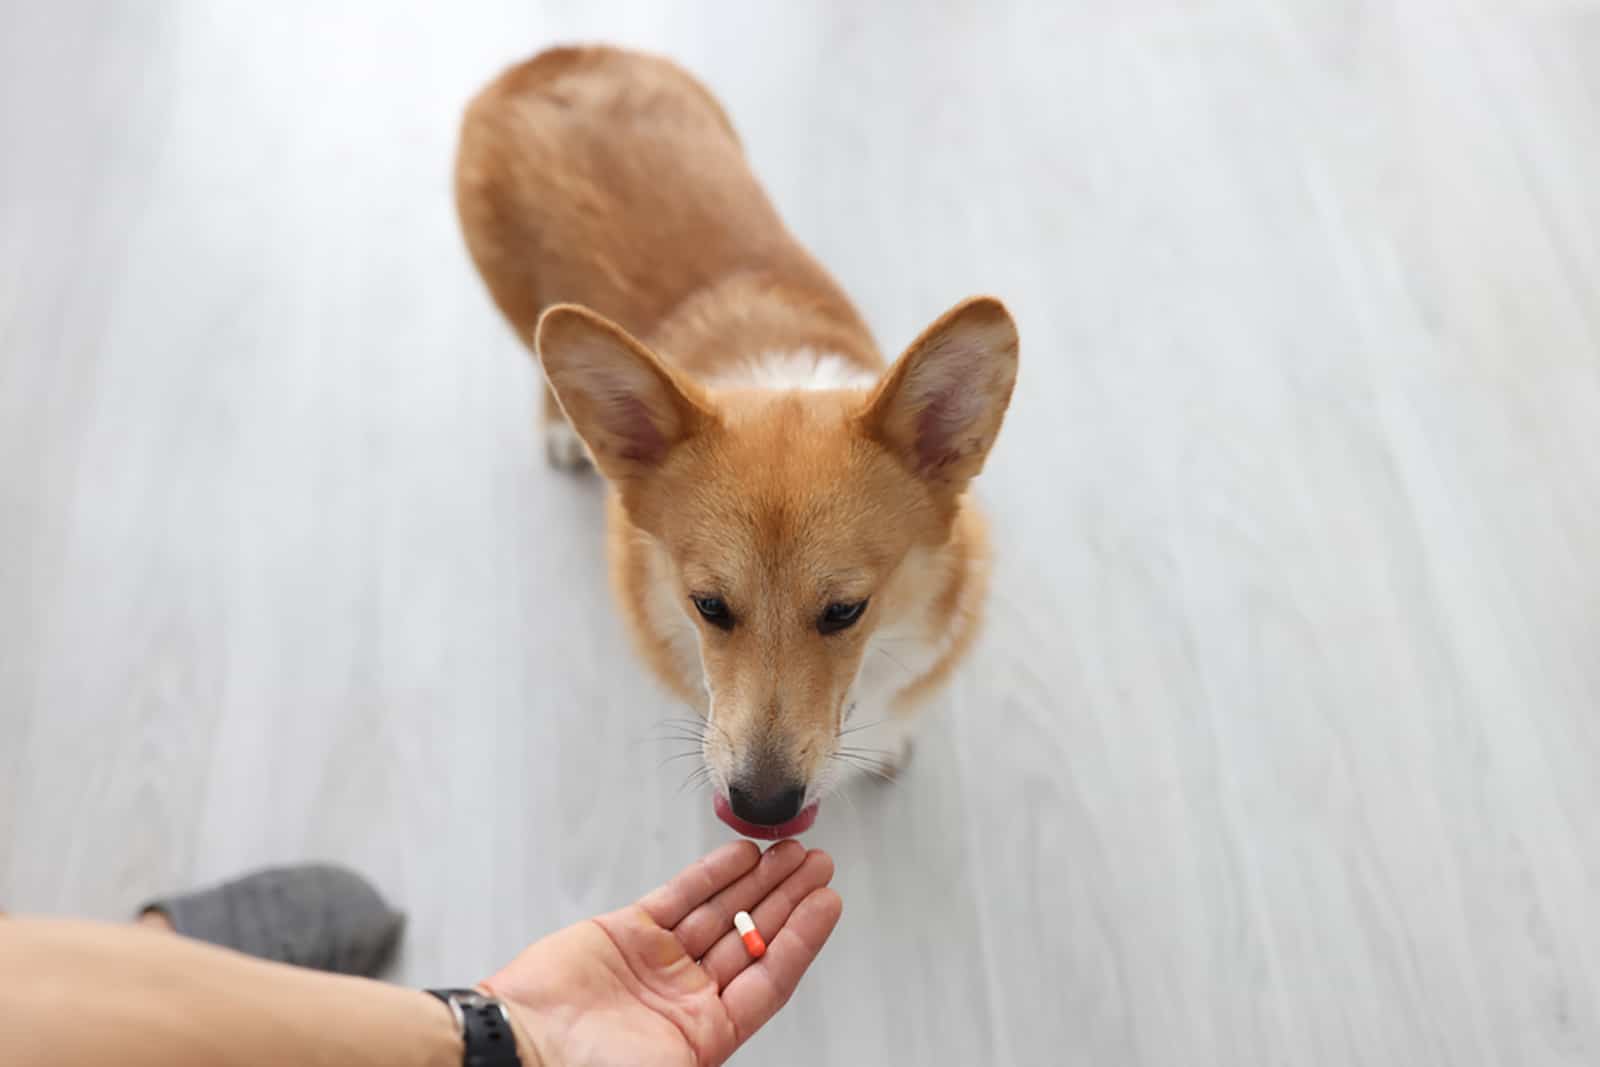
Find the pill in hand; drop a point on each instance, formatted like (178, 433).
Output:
(749, 935)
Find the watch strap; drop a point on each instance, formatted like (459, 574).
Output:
(486, 1035)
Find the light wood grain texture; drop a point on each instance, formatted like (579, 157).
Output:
(1283, 744)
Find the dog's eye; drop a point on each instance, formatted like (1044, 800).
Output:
(840, 617)
(714, 611)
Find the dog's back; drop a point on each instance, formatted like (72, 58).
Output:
(613, 179)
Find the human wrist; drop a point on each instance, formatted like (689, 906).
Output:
(445, 1017)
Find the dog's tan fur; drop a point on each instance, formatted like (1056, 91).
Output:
(593, 178)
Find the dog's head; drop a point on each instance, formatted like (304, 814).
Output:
(796, 523)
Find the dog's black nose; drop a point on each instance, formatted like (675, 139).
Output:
(766, 807)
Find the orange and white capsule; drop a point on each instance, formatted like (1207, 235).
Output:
(749, 935)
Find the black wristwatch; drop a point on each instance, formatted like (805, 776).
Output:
(485, 1027)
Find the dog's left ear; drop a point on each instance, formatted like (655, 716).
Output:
(940, 406)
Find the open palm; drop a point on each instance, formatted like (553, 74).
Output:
(666, 980)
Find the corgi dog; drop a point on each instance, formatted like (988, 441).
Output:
(790, 538)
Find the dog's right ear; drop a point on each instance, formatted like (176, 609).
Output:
(628, 406)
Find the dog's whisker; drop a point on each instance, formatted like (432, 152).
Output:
(879, 640)
(885, 654)
(858, 757)
(883, 776)
(863, 726)
(682, 754)
(696, 777)
(679, 735)
(862, 753)
(660, 731)
(680, 727)
(698, 726)
(837, 790)
(695, 742)
(861, 760)
(682, 723)
(682, 744)
(877, 772)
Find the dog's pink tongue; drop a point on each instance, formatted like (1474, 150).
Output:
(793, 828)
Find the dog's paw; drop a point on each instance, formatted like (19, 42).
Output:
(563, 448)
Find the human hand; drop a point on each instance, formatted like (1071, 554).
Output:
(666, 980)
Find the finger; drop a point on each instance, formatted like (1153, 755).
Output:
(725, 959)
(765, 986)
(699, 882)
(700, 930)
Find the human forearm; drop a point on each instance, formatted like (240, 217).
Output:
(76, 993)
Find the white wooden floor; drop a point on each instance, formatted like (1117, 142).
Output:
(1283, 746)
